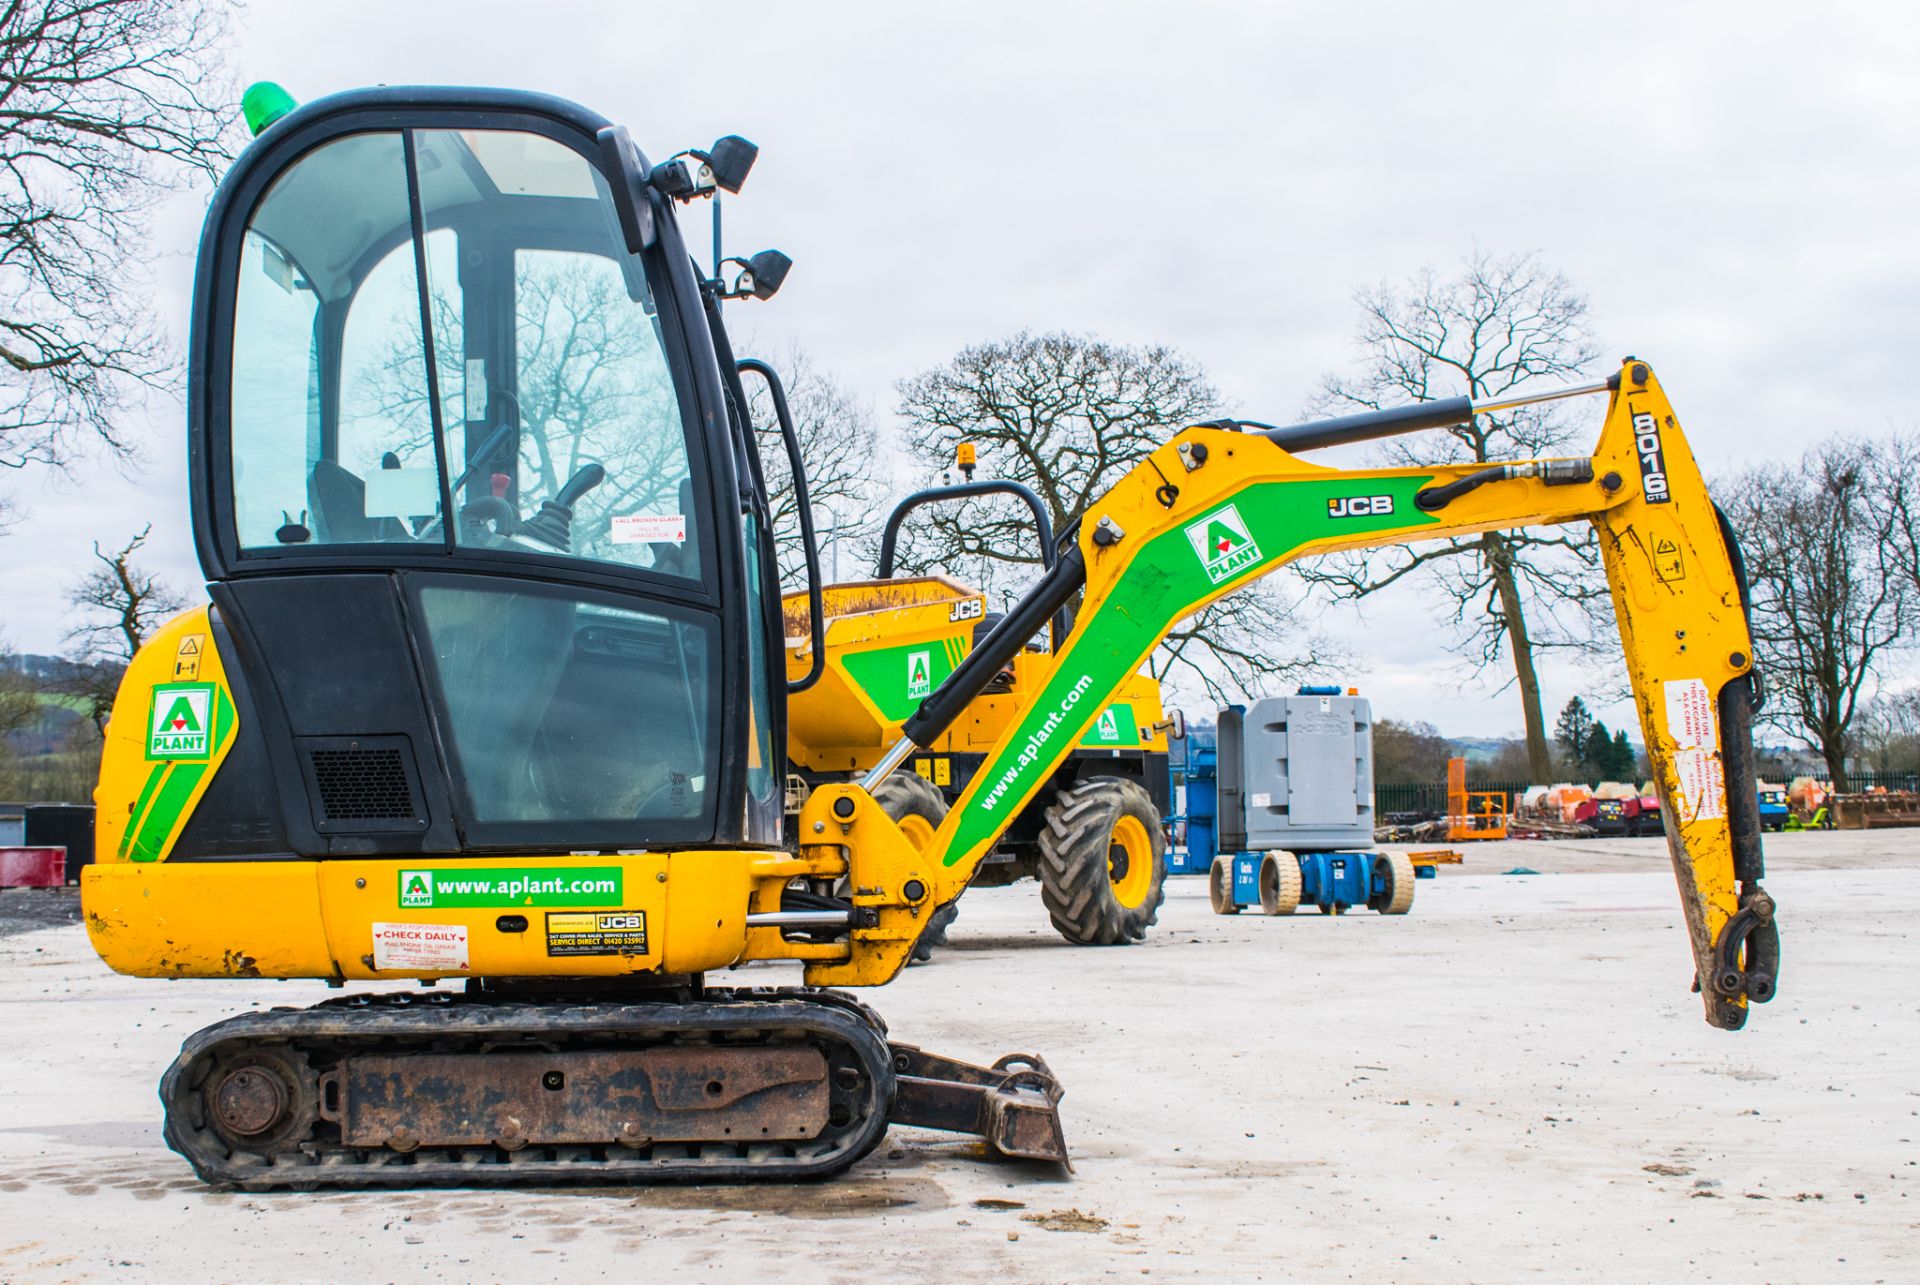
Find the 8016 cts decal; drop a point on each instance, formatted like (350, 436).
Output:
(1653, 460)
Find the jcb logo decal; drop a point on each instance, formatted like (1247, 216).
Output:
(1360, 506)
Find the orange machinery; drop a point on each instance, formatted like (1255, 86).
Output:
(1472, 814)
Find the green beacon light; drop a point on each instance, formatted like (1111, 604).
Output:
(264, 103)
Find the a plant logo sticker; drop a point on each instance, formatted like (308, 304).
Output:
(1108, 728)
(416, 887)
(1223, 545)
(919, 675)
(180, 725)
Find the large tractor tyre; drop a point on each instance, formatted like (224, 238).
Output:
(917, 807)
(1220, 887)
(1103, 859)
(1279, 883)
(1393, 878)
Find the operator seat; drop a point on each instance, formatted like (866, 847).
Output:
(338, 499)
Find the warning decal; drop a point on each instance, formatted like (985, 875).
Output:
(1668, 564)
(648, 528)
(425, 947)
(1691, 720)
(186, 660)
(597, 932)
(1695, 728)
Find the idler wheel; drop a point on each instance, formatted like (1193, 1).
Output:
(260, 1099)
(249, 1101)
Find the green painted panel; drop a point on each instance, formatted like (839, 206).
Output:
(897, 679)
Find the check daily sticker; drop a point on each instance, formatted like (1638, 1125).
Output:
(423, 947)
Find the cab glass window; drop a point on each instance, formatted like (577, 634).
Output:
(565, 708)
(500, 384)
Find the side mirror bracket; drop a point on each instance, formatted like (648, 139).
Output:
(626, 171)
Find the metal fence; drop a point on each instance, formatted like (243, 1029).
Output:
(1430, 797)
(1859, 781)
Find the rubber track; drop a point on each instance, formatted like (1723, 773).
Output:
(847, 1030)
(1073, 864)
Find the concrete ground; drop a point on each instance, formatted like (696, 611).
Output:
(1511, 1083)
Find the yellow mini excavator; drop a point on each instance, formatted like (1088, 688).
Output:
(491, 688)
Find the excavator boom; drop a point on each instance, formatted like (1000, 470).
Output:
(1216, 509)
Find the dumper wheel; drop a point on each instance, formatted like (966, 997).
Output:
(1279, 883)
(917, 807)
(1103, 858)
(1393, 878)
(1220, 887)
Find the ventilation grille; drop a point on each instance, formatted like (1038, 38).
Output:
(363, 784)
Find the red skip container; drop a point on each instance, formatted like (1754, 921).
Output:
(33, 867)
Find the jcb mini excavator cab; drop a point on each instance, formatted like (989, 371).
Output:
(487, 684)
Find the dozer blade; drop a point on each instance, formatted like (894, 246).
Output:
(1014, 1104)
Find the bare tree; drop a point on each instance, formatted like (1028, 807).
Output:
(1409, 753)
(1829, 600)
(126, 604)
(1068, 415)
(1493, 326)
(1896, 476)
(19, 697)
(591, 387)
(104, 105)
(846, 476)
(1887, 732)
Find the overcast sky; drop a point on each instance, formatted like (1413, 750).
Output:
(1734, 186)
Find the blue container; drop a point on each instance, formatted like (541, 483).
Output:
(1336, 880)
(1202, 814)
(1330, 880)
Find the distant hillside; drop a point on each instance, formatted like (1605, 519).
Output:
(39, 668)
(1478, 749)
